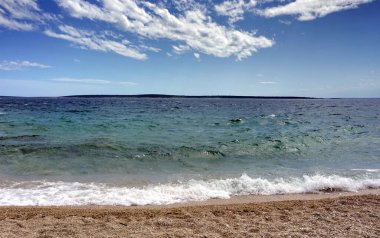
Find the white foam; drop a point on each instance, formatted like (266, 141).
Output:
(62, 193)
(269, 116)
(367, 170)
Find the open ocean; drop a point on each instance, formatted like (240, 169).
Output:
(137, 151)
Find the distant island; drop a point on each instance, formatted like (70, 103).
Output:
(166, 96)
(186, 96)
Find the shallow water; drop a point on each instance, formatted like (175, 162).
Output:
(184, 148)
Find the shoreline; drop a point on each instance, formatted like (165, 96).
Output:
(337, 214)
(247, 199)
(233, 200)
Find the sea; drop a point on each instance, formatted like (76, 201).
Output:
(138, 151)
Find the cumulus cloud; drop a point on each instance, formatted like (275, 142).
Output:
(187, 25)
(21, 65)
(311, 9)
(193, 28)
(90, 40)
(234, 9)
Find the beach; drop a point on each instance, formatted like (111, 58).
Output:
(310, 215)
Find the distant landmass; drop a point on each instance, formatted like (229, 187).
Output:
(163, 96)
(185, 96)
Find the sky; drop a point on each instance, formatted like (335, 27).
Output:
(317, 48)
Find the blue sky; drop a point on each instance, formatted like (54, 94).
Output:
(234, 47)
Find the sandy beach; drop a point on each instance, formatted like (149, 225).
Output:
(311, 215)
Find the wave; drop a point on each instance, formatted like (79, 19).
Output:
(42, 193)
(367, 170)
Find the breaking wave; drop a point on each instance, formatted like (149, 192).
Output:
(42, 193)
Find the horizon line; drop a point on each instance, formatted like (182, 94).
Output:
(184, 96)
(153, 95)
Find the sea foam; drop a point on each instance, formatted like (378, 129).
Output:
(63, 193)
(367, 170)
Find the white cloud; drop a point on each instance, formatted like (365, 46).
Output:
(91, 81)
(20, 65)
(180, 49)
(185, 5)
(21, 9)
(285, 22)
(128, 83)
(267, 82)
(188, 24)
(193, 27)
(89, 40)
(235, 9)
(197, 56)
(14, 25)
(75, 80)
(311, 9)
(22, 15)
(149, 48)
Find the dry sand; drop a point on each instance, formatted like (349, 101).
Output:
(325, 215)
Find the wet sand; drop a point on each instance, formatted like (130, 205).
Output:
(311, 215)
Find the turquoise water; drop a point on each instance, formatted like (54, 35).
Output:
(58, 146)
